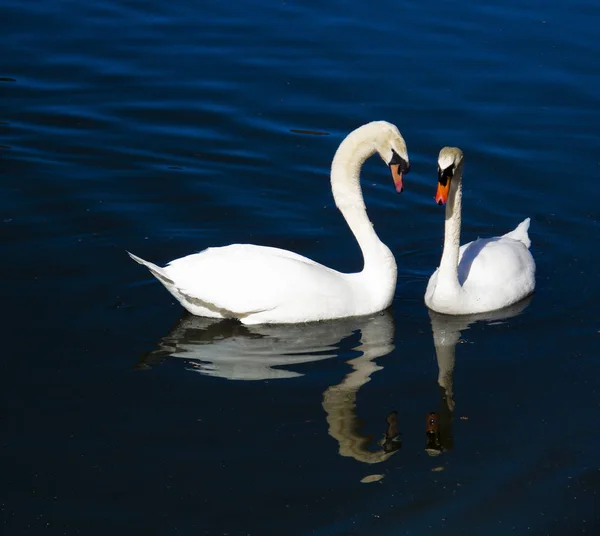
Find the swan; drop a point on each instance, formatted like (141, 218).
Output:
(483, 275)
(266, 285)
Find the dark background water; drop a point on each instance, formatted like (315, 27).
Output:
(164, 128)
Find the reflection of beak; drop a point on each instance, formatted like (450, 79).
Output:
(397, 176)
(434, 444)
(441, 196)
(433, 422)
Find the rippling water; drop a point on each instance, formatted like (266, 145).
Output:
(164, 128)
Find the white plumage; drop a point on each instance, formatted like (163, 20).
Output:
(483, 275)
(259, 285)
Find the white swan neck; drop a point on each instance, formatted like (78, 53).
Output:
(345, 185)
(448, 270)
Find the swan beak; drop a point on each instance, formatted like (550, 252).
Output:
(441, 196)
(397, 176)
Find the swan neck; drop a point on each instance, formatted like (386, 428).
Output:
(448, 271)
(345, 185)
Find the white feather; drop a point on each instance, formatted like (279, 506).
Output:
(483, 275)
(258, 284)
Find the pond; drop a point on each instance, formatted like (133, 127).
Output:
(166, 128)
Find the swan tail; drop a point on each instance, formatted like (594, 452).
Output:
(193, 304)
(155, 270)
(521, 233)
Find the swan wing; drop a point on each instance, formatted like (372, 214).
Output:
(498, 263)
(244, 279)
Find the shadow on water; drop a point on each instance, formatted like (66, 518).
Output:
(228, 349)
(447, 332)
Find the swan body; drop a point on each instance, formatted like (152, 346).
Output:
(265, 285)
(483, 275)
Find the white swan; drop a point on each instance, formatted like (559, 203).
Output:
(264, 285)
(485, 274)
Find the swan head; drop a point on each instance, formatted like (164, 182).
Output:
(392, 148)
(449, 160)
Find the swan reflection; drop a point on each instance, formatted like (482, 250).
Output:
(446, 335)
(339, 401)
(228, 349)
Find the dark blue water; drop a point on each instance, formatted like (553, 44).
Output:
(164, 128)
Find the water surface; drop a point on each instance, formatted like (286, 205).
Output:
(167, 128)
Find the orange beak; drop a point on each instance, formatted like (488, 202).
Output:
(441, 195)
(397, 176)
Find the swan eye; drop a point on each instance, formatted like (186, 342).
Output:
(397, 160)
(445, 174)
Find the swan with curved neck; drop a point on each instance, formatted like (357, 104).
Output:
(264, 285)
(483, 275)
